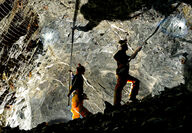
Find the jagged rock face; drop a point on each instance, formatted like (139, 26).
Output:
(42, 96)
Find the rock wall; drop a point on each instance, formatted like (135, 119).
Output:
(157, 65)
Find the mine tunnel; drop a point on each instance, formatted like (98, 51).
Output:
(43, 42)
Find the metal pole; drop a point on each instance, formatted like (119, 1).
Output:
(72, 41)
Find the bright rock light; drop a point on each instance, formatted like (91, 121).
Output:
(175, 26)
(49, 36)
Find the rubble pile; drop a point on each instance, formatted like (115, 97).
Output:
(169, 112)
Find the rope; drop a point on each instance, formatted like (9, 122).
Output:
(157, 28)
(161, 22)
(72, 42)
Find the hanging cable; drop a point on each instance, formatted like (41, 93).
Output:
(72, 41)
(159, 25)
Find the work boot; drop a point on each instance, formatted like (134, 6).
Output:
(108, 107)
(89, 114)
(133, 99)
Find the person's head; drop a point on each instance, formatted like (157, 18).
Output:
(123, 44)
(80, 69)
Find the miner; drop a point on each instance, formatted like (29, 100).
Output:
(122, 73)
(78, 96)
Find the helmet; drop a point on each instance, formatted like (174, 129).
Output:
(123, 42)
(80, 68)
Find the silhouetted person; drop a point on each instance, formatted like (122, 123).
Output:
(122, 72)
(78, 96)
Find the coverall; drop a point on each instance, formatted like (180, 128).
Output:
(77, 100)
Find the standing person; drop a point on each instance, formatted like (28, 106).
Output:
(122, 72)
(78, 96)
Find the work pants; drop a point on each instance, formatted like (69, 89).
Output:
(77, 107)
(121, 82)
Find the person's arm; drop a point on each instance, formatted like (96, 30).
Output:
(116, 56)
(71, 73)
(74, 86)
(71, 90)
(135, 53)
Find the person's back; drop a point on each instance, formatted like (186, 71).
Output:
(122, 60)
(77, 83)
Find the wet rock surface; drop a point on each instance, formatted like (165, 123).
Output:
(40, 94)
(170, 111)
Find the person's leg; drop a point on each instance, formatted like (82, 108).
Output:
(135, 88)
(74, 107)
(75, 113)
(121, 82)
(83, 111)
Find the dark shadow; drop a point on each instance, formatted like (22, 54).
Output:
(186, 1)
(186, 61)
(185, 40)
(97, 10)
(177, 55)
(75, 18)
(56, 121)
(5, 8)
(188, 71)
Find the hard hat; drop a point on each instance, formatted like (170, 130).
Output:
(80, 68)
(123, 42)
